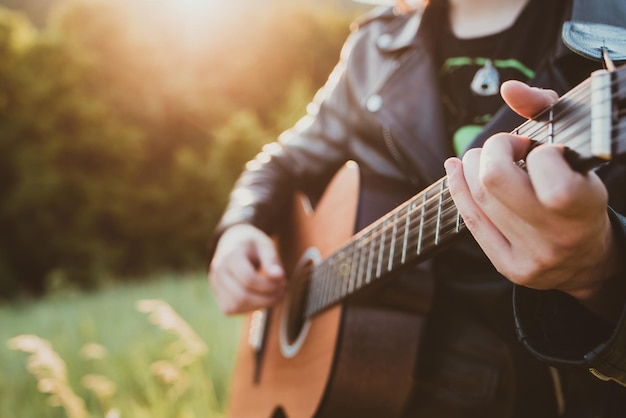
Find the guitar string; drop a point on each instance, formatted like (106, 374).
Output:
(360, 241)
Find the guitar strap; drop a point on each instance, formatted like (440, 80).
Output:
(597, 26)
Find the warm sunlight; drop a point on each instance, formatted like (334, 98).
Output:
(190, 11)
(200, 6)
(184, 23)
(193, 6)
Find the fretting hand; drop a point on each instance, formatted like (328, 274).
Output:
(544, 228)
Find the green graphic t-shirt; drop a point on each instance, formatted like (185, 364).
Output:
(472, 70)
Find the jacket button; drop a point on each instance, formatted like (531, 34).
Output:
(384, 41)
(374, 103)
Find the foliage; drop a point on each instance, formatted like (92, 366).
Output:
(111, 358)
(122, 128)
(58, 151)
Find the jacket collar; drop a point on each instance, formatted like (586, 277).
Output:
(401, 28)
(402, 35)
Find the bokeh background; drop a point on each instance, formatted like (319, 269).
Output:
(123, 125)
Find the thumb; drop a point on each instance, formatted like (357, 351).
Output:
(268, 259)
(525, 100)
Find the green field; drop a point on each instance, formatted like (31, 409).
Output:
(134, 367)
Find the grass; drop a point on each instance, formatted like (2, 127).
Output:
(137, 358)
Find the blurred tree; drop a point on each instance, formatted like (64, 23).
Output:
(36, 10)
(61, 153)
(122, 128)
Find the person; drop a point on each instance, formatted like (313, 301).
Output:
(528, 319)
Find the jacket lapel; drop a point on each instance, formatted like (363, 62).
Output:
(410, 107)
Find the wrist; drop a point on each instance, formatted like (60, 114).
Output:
(605, 293)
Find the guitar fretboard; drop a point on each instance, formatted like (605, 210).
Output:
(410, 231)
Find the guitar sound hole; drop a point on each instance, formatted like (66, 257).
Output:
(296, 314)
(294, 321)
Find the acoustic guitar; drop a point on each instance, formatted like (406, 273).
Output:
(313, 355)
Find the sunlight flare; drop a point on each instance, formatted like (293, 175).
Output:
(194, 7)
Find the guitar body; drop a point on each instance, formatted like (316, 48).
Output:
(347, 361)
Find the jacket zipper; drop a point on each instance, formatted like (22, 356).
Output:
(400, 160)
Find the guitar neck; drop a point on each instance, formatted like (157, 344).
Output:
(589, 120)
(404, 235)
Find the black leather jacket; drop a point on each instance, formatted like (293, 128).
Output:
(380, 108)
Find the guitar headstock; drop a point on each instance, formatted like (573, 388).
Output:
(589, 120)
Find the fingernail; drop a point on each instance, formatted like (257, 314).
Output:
(274, 270)
(450, 165)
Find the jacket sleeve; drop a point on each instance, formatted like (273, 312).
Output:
(303, 158)
(558, 330)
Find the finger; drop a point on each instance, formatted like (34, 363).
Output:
(525, 100)
(561, 189)
(501, 180)
(240, 265)
(505, 148)
(269, 261)
(234, 299)
(481, 227)
(250, 279)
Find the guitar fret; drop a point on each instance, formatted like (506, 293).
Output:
(345, 274)
(334, 284)
(370, 259)
(365, 255)
(421, 230)
(310, 302)
(349, 266)
(431, 222)
(393, 240)
(321, 292)
(407, 224)
(313, 292)
(323, 277)
(551, 126)
(359, 263)
(353, 267)
(381, 250)
(326, 288)
(315, 286)
(445, 225)
(440, 204)
(362, 258)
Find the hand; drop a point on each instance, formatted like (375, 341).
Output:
(544, 228)
(246, 273)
